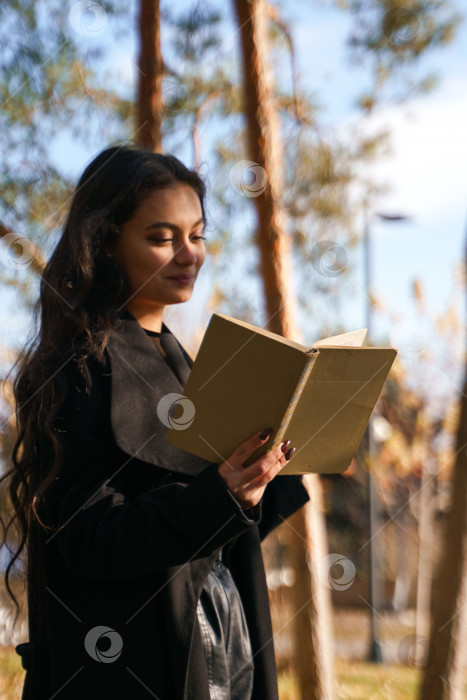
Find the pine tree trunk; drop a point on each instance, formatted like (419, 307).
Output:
(425, 553)
(442, 678)
(148, 130)
(307, 541)
(306, 532)
(265, 149)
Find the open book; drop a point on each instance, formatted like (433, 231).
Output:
(245, 379)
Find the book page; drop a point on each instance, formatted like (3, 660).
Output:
(353, 339)
(334, 408)
(241, 381)
(264, 332)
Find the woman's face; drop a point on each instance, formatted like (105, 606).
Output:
(162, 241)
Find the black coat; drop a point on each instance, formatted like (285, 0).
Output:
(141, 524)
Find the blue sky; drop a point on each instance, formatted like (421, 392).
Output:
(426, 177)
(425, 174)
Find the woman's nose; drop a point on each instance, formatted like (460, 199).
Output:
(185, 252)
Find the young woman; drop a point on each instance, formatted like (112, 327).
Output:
(145, 573)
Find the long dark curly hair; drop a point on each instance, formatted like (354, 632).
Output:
(82, 292)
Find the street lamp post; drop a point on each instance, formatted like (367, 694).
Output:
(374, 652)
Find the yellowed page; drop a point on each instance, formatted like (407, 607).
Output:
(334, 408)
(352, 339)
(241, 382)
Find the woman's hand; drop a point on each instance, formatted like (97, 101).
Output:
(247, 484)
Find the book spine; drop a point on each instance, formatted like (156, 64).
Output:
(310, 358)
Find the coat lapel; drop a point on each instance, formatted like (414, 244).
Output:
(140, 378)
(179, 361)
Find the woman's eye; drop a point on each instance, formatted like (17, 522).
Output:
(169, 240)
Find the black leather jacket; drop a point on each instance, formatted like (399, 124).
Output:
(226, 639)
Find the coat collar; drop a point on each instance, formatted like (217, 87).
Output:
(140, 378)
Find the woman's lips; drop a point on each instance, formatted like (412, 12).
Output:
(182, 279)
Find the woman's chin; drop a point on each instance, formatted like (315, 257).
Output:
(179, 295)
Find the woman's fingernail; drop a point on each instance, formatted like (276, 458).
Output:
(285, 446)
(290, 453)
(265, 434)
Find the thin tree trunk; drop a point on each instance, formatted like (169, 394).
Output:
(306, 531)
(311, 600)
(265, 149)
(400, 599)
(442, 678)
(148, 130)
(425, 553)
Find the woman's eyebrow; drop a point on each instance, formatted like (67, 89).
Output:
(171, 227)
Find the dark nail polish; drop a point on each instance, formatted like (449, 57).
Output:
(285, 446)
(266, 433)
(290, 453)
